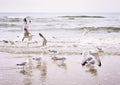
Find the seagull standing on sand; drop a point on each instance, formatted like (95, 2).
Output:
(22, 64)
(53, 52)
(11, 42)
(5, 41)
(91, 58)
(38, 60)
(57, 58)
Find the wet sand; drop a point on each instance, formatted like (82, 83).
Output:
(49, 72)
(70, 36)
(69, 72)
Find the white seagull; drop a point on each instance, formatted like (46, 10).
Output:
(59, 58)
(22, 64)
(37, 58)
(90, 58)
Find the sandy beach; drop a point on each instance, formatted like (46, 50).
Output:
(69, 72)
(66, 37)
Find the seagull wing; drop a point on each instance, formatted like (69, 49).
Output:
(97, 58)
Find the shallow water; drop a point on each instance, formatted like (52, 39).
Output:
(69, 72)
(67, 36)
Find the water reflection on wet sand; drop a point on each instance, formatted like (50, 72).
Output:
(53, 72)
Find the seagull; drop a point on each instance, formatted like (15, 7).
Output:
(27, 20)
(56, 58)
(59, 61)
(44, 43)
(25, 63)
(11, 42)
(22, 64)
(37, 58)
(100, 49)
(89, 58)
(5, 41)
(52, 51)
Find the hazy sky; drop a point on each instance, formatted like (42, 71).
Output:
(59, 5)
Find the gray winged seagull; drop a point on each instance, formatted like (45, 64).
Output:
(91, 58)
(23, 64)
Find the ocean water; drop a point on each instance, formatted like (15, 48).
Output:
(69, 34)
(62, 25)
(13, 21)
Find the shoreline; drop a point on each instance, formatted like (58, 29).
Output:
(71, 49)
(51, 72)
